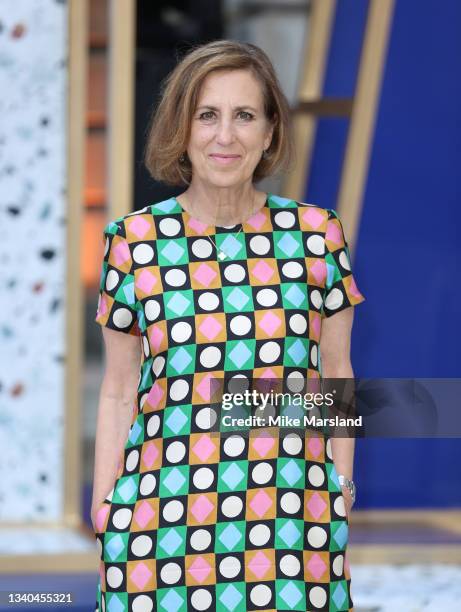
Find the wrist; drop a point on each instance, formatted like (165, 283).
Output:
(348, 484)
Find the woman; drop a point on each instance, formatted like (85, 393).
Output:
(223, 278)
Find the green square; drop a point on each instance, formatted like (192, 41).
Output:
(290, 473)
(181, 360)
(117, 601)
(240, 355)
(288, 244)
(333, 482)
(293, 531)
(146, 375)
(230, 537)
(294, 296)
(171, 534)
(172, 252)
(178, 303)
(123, 295)
(229, 473)
(343, 527)
(291, 586)
(238, 299)
(296, 352)
(166, 594)
(136, 432)
(178, 418)
(276, 201)
(233, 245)
(112, 541)
(241, 606)
(128, 484)
(342, 585)
(172, 474)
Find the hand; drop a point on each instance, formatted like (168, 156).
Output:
(347, 501)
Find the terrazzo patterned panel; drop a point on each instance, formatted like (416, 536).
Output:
(33, 107)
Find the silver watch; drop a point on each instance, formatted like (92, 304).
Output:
(349, 484)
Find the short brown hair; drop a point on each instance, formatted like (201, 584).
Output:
(171, 121)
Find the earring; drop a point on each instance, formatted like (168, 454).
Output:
(182, 158)
(265, 154)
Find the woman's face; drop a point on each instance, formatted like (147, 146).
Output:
(229, 129)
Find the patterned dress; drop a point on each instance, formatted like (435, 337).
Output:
(196, 520)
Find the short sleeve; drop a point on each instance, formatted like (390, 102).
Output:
(341, 290)
(117, 303)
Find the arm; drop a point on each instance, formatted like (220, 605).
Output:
(335, 341)
(118, 389)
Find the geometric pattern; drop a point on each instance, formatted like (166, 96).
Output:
(200, 520)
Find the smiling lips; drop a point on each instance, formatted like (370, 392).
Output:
(224, 159)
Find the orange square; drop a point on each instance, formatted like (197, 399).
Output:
(200, 569)
(141, 576)
(204, 275)
(263, 272)
(147, 281)
(312, 218)
(210, 328)
(158, 337)
(203, 449)
(151, 455)
(259, 222)
(316, 271)
(260, 565)
(315, 325)
(263, 443)
(156, 398)
(314, 447)
(317, 506)
(316, 566)
(202, 508)
(145, 515)
(207, 387)
(270, 323)
(140, 227)
(261, 504)
(119, 249)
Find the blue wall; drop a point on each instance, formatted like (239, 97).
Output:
(407, 258)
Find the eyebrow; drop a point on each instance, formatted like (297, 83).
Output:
(236, 108)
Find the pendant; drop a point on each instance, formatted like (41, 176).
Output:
(221, 255)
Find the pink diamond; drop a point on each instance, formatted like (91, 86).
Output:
(146, 281)
(204, 274)
(354, 289)
(210, 327)
(257, 220)
(102, 307)
(333, 233)
(201, 508)
(315, 446)
(139, 226)
(316, 505)
(203, 448)
(260, 503)
(156, 337)
(200, 569)
(319, 270)
(150, 454)
(316, 325)
(204, 387)
(259, 564)
(317, 566)
(121, 252)
(155, 395)
(101, 515)
(143, 514)
(197, 225)
(262, 444)
(270, 323)
(140, 575)
(313, 217)
(263, 271)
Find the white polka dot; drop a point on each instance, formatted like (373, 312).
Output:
(175, 451)
(259, 534)
(316, 476)
(328, 449)
(203, 478)
(344, 260)
(298, 323)
(157, 365)
(292, 444)
(201, 599)
(234, 446)
(266, 297)
(269, 352)
(141, 546)
(316, 244)
(262, 472)
(285, 219)
(200, 539)
(112, 279)
(175, 277)
(229, 567)
(290, 565)
(122, 518)
(208, 301)
(314, 354)
(169, 226)
(260, 595)
(173, 510)
(210, 357)
(232, 506)
(143, 253)
(171, 573)
(260, 244)
(147, 484)
(142, 603)
(153, 425)
(181, 331)
(151, 310)
(132, 460)
(179, 389)
(106, 246)
(202, 248)
(238, 383)
(205, 418)
(316, 299)
(240, 325)
(114, 577)
(318, 596)
(296, 381)
(122, 318)
(234, 273)
(338, 565)
(339, 506)
(145, 345)
(316, 536)
(290, 503)
(292, 269)
(334, 299)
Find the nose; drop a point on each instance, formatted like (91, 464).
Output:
(224, 131)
